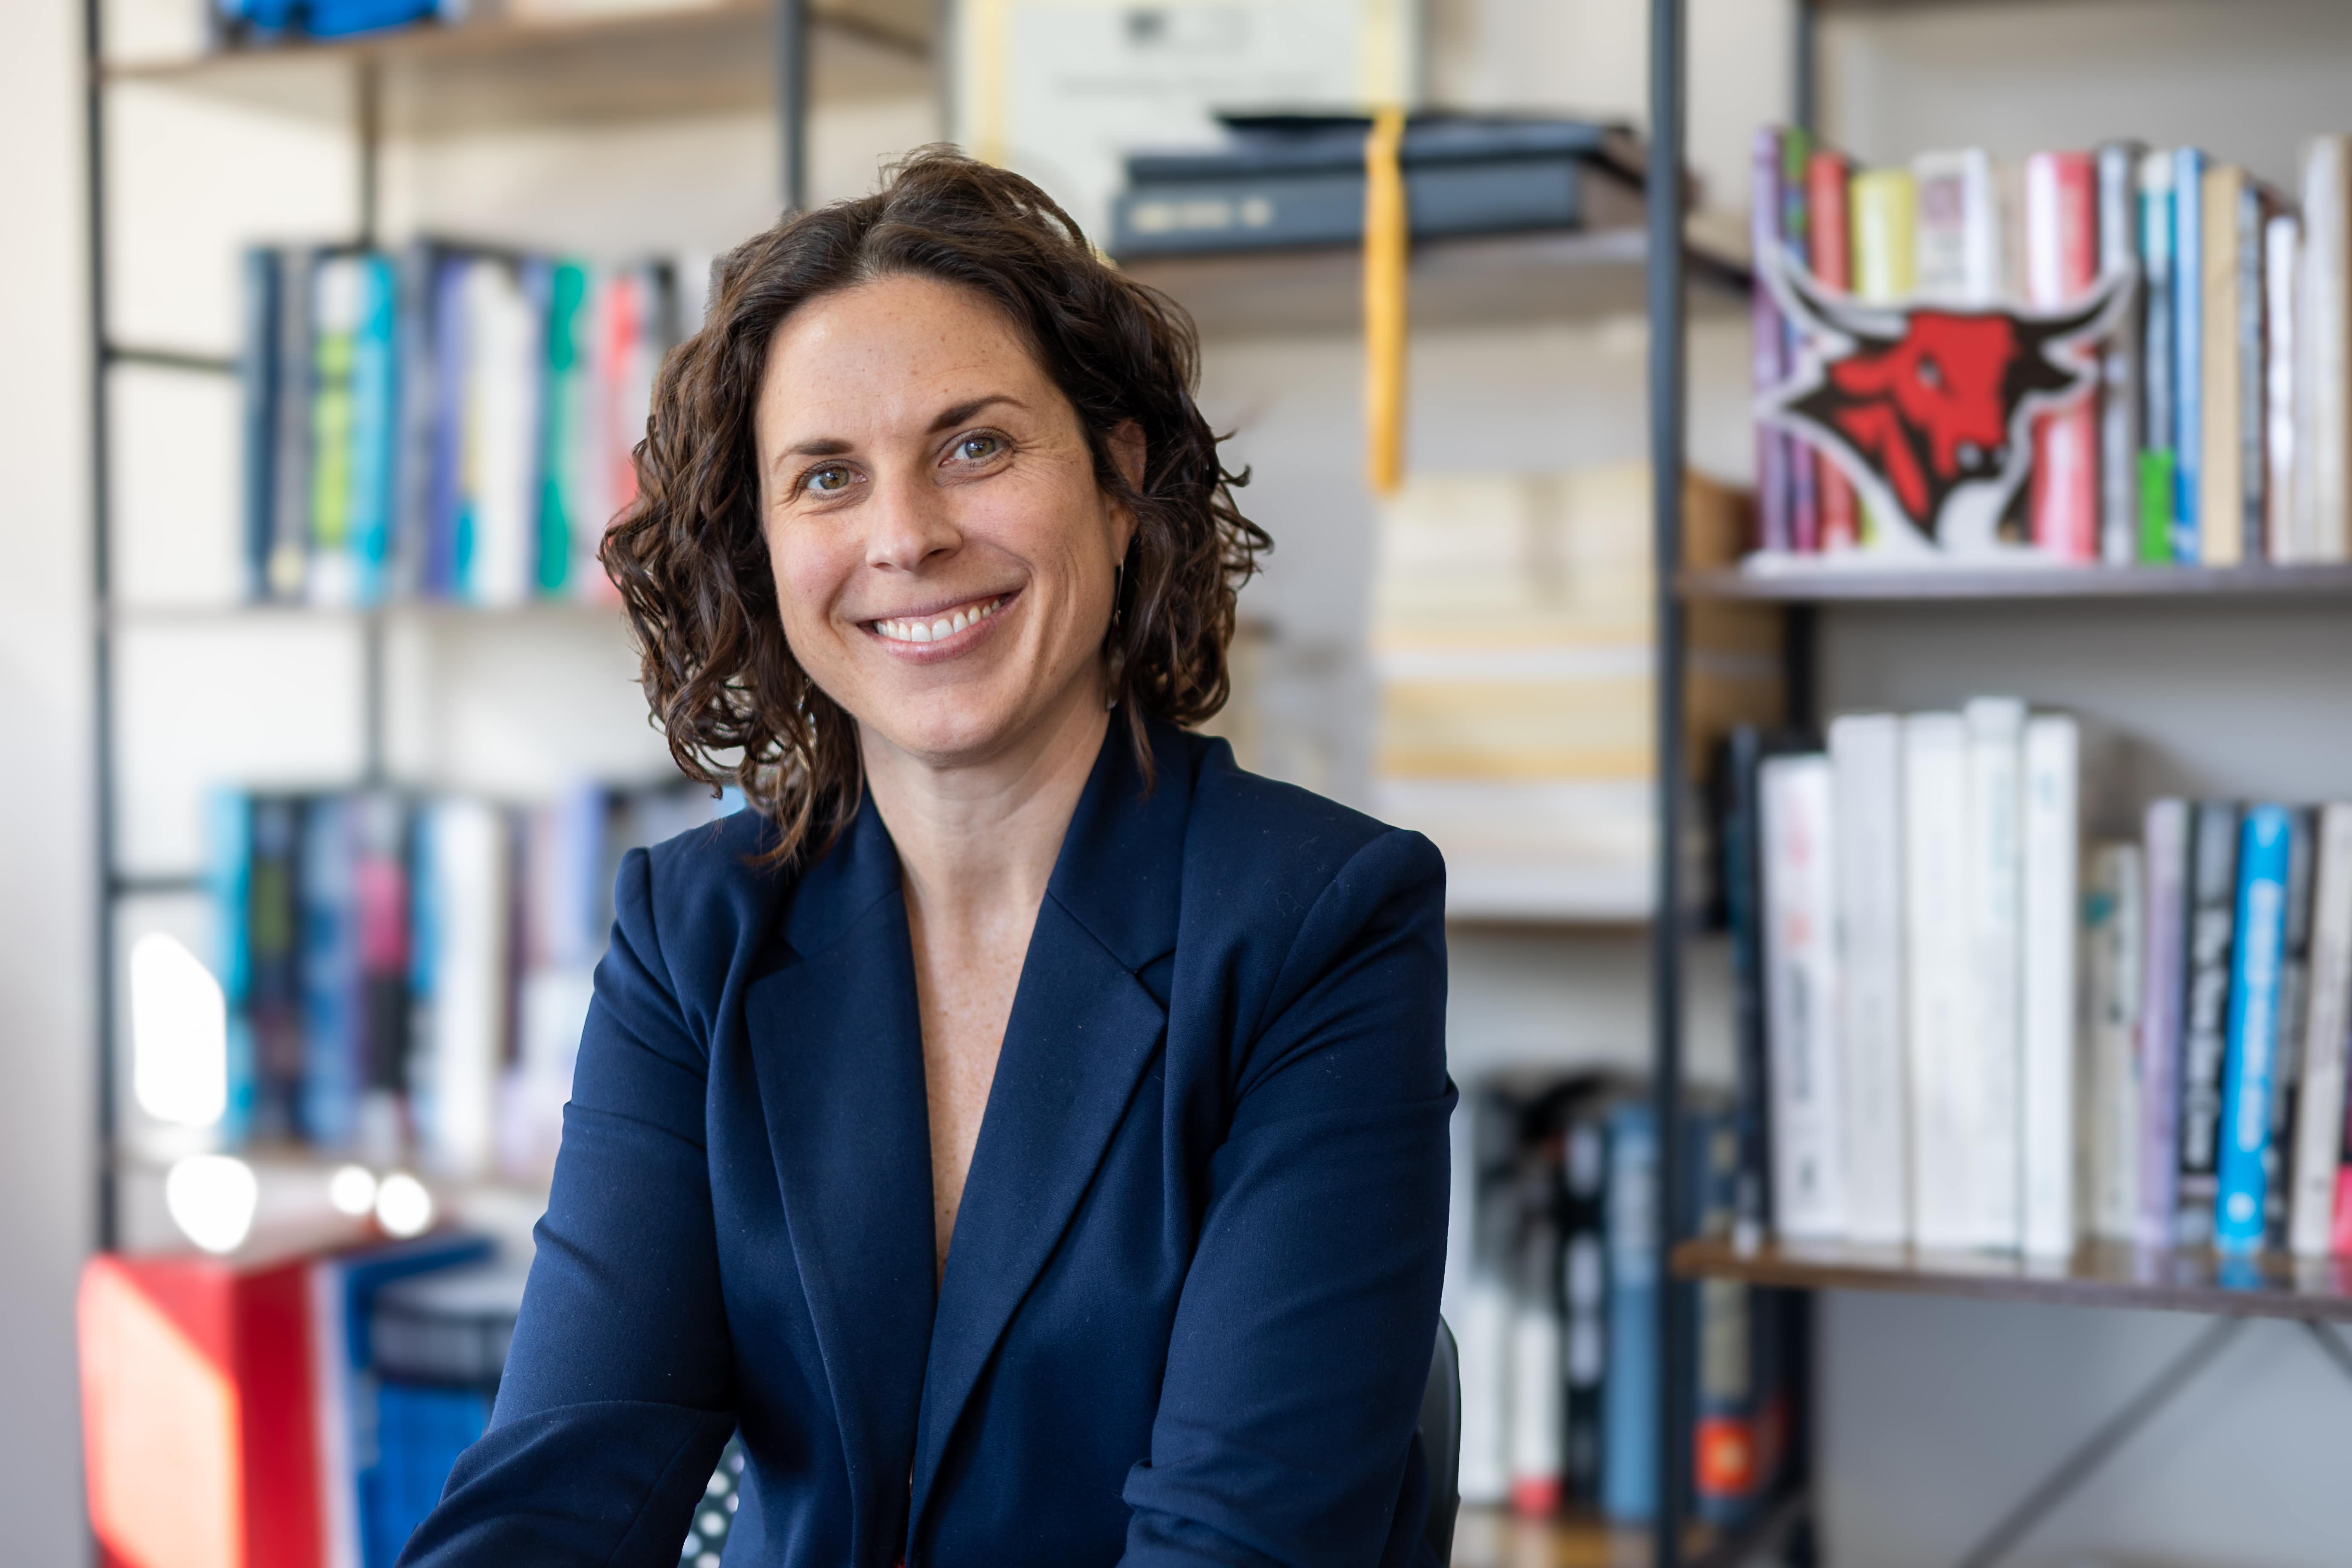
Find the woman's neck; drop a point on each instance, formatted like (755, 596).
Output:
(977, 840)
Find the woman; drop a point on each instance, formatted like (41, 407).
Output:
(1029, 1129)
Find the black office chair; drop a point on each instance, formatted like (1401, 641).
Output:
(1441, 1443)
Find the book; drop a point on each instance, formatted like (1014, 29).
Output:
(1829, 240)
(564, 424)
(1804, 491)
(1958, 237)
(2061, 249)
(2205, 1016)
(496, 537)
(447, 535)
(1939, 980)
(2323, 508)
(1743, 837)
(2219, 506)
(198, 1412)
(438, 1342)
(1629, 1472)
(1866, 755)
(2255, 206)
(2049, 928)
(1733, 1363)
(1992, 884)
(336, 286)
(369, 509)
(2282, 414)
(2294, 1006)
(256, 372)
(2160, 371)
(461, 980)
(290, 534)
(2114, 943)
(2259, 931)
(2318, 1128)
(1885, 246)
(1584, 1295)
(1539, 1417)
(2121, 405)
(1776, 452)
(2189, 410)
(331, 984)
(1801, 985)
(2164, 977)
(1483, 1329)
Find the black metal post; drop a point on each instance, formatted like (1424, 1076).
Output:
(1668, 364)
(367, 130)
(792, 99)
(101, 627)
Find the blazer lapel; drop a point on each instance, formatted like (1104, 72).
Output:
(1082, 1032)
(837, 1046)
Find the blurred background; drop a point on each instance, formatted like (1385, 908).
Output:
(314, 767)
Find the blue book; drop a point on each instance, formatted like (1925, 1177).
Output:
(2188, 349)
(2265, 847)
(229, 879)
(2154, 542)
(1629, 1392)
(257, 371)
(375, 404)
(448, 527)
(329, 1104)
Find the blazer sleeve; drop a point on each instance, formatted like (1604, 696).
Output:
(616, 1399)
(1303, 1336)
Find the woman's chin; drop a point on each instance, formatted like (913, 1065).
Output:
(958, 728)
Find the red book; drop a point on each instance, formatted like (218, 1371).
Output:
(2061, 262)
(1831, 242)
(199, 1445)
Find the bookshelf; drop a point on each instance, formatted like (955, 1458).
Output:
(2111, 614)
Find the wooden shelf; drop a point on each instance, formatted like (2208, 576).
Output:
(1497, 1538)
(1802, 583)
(424, 611)
(1492, 280)
(702, 58)
(2100, 1273)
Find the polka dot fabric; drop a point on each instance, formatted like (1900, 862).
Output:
(706, 1538)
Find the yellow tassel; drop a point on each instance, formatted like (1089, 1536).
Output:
(1386, 235)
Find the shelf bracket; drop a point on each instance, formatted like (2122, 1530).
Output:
(2101, 1446)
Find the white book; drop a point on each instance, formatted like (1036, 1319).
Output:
(1959, 255)
(1866, 759)
(2049, 917)
(2114, 908)
(1483, 1344)
(1939, 989)
(1993, 899)
(2282, 269)
(1800, 996)
(466, 863)
(501, 436)
(2324, 367)
(2319, 1108)
(1539, 1417)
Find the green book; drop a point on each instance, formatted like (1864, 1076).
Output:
(568, 364)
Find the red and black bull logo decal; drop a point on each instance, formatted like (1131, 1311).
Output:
(1929, 408)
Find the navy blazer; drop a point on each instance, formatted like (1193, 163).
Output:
(1188, 1308)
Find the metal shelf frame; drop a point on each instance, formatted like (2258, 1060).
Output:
(789, 56)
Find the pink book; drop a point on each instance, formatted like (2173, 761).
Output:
(1830, 240)
(2061, 262)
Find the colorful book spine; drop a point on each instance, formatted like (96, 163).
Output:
(257, 371)
(1629, 1465)
(2164, 974)
(228, 877)
(1728, 1447)
(2294, 1006)
(1774, 450)
(564, 422)
(289, 536)
(1801, 987)
(1584, 1293)
(447, 499)
(2266, 839)
(2121, 404)
(2205, 1016)
(2061, 249)
(330, 976)
(335, 318)
(1885, 248)
(2319, 1131)
(2114, 917)
(1829, 238)
(1959, 242)
(2049, 932)
(375, 427)
(2158, 368)
(2189, 412)
(1804, 491)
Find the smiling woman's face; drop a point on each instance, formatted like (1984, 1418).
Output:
(942, 553)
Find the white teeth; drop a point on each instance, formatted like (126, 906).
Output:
(936, 630)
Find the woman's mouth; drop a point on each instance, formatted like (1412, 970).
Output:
(914, 631)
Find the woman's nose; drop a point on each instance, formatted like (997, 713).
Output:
(907, 524)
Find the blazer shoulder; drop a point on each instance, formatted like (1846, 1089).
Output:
(1259, 844)
(697, 906)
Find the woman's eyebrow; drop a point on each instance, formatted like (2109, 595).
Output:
(963, 411)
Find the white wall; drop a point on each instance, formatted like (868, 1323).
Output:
(47, 915)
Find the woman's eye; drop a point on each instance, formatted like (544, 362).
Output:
(978, 448)
(829, 480)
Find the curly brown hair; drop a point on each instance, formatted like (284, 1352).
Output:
(692, 561)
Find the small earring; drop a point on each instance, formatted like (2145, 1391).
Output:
(1115, 666)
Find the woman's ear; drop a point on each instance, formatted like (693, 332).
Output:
(1127, 451)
